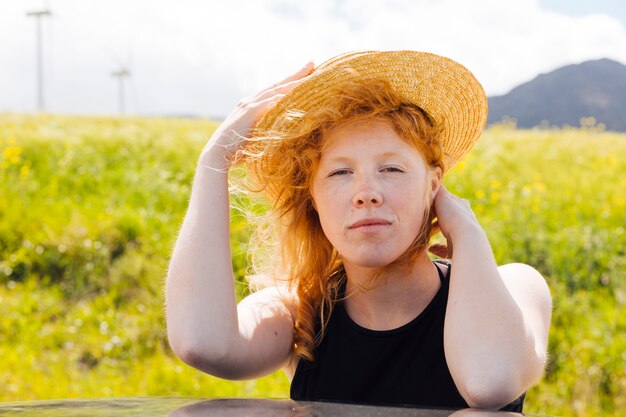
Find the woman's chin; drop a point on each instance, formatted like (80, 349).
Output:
(371, 261)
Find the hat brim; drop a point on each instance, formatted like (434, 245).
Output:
(447, 91)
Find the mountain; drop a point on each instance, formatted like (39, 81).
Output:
(593, 88)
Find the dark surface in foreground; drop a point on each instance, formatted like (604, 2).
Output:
(197, 407)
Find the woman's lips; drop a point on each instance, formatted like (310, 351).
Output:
(369, 223)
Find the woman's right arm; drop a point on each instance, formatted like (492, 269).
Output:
(205, 327)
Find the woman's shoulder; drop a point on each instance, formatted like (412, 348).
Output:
(522, 281)
(525, 278)
(513, 274)
(279, 298)
(278, 295)
(530, 291)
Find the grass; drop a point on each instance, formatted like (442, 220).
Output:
(90, 208)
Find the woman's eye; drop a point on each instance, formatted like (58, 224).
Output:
(339, 172)
(392, 169)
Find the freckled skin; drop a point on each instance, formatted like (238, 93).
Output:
(367, 171)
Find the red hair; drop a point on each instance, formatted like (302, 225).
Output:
(281, 164)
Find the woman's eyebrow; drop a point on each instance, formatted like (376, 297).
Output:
(392, 154)
(339, 158)
(346, 158)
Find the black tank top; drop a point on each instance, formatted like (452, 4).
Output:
(402, 366)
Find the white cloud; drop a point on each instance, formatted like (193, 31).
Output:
(196, 56)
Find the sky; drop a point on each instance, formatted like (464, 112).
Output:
(199, 57)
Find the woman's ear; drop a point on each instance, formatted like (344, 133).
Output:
(436, 177)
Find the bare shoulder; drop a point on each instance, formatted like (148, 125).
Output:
(265, 337)
(532, 295)
(524, 278)
(278, 299)
(278, 302)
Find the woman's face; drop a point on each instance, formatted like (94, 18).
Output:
(371, 190)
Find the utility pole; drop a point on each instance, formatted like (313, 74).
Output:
(120, 75)
(40, 88)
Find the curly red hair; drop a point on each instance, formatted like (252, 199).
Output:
(281, 164)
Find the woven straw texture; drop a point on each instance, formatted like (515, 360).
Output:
(445, 89)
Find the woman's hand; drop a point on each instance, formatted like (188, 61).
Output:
(231, 135)
(454, 216)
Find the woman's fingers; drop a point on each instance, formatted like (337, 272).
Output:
(266, 102)
(270, 96)
(232, 134)
(443, 251)
(262, 105)
(302, 72)
(440, 250)
(288, 83)
(454, 214)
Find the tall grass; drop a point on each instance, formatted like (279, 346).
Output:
(90, 209)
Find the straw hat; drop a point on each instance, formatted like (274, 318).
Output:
(443, 88)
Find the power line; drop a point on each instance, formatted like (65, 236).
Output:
(40, 80)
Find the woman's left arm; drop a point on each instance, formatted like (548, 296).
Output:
(497, 318)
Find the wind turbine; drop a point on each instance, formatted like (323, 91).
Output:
(121, 73)
(38, 15)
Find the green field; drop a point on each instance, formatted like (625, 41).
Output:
(90, 208)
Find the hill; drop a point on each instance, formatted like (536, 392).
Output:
(564, 96)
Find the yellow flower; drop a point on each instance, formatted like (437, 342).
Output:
(539, 186)
(24, 171)
(12, 154)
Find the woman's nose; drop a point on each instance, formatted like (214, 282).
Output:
(367, 195)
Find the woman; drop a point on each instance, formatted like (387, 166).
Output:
(352, 156)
